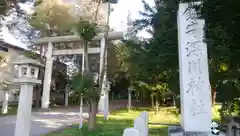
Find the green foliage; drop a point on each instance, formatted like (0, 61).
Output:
(84, 84)
(120, 120)
(160, 54)
(60, 78)
(51, 17)
(86, 30)
(3, 6)
(153, 64)
(222, 37)
(33, 55)
(227, 96)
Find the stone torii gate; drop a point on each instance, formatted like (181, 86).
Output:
(48, 43)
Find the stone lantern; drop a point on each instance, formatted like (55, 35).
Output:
(27, 71)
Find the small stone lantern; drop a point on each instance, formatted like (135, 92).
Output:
(26, 76)
(27, 70)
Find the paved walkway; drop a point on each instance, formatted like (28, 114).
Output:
(45, 122)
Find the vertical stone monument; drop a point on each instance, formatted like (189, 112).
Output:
(140, 126)
(144, 116)
(196, 116)
(27, 77)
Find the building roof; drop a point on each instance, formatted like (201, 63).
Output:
(11, 46)
(3, 43)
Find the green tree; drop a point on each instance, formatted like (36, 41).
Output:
(52, 18)
(154, 63)
(87, 31)
(222, 39)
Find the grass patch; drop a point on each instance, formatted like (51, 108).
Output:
(12, 110)
(121, 119)
(215, 113)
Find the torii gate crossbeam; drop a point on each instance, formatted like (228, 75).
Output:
(103, 104)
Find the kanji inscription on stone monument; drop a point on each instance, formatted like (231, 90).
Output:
(194, 76)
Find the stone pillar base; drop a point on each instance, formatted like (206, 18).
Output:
(178, 131)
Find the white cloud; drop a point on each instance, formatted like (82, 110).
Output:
(120, 13)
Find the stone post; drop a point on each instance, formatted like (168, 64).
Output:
(103, 102)
(67, 89)
(5, 102)
(231, 131)
(23, 123)
(47, 78)
(81, 112)
(81, 95)
(129, 99)
(83, 63)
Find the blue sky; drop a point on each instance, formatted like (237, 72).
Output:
(118, 18)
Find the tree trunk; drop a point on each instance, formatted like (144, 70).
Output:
(157, 103)
(152, 100)
(38, 95)
(174, 101)
(93, 116)
(94, 104)
(85, 53)
(89, 108)
(213, 92)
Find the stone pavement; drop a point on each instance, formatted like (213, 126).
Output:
(45, 122)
